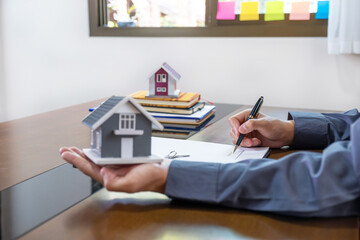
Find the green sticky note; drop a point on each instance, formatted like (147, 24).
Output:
(274, 11)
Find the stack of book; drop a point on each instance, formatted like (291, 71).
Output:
(181, 116)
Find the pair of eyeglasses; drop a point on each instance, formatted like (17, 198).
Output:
(174, 154)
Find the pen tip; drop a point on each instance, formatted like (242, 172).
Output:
(235, 148)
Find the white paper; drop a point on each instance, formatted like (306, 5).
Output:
(204, 151)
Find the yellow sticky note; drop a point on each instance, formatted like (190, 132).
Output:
(300, 11)
(274, 11)
(249, 11)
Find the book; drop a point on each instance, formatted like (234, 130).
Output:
(188, 127)
(187, 122)
(184, 100)
(173, 134)
(192, 118)
(198, 106)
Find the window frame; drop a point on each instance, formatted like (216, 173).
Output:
(158, 78)
(129, 121)
(163, 78)
(214, 28)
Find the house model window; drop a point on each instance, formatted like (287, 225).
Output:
(127, 121)
(161, 89)
(163, 78)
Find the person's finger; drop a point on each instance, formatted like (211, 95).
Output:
(234, 137)
(250, 142)
(246, 142)
(252, 125)
(236, 120)
(84, 165)
(236, 132)
(255, 142)
(108, 178)
(78, 151)
(234, 123)
(63, 149)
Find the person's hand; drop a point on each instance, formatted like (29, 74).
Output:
(136, 178)
(262, 131)
(122, 178)
(77, 158)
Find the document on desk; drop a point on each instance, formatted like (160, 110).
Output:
(204, 151)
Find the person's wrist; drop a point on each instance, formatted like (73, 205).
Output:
(289, 132)
(164, 169)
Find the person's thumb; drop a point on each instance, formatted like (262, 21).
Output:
(250, 125)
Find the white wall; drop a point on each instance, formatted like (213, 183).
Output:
(49, 61)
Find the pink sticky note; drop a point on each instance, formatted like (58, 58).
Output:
(225, 11)
(300, 11)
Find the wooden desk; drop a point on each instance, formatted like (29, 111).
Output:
(30, 146)
(109, 215)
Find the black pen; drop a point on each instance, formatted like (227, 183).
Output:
(252, 115)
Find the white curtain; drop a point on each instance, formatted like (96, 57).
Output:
(344, 27)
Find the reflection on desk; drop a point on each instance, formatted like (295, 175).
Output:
(146, 215)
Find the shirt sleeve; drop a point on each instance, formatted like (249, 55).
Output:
(306, 184)
(318, 130)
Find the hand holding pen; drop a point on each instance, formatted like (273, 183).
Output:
(261, 131)
(252, 115)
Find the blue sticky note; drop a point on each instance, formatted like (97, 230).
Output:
(323, 10)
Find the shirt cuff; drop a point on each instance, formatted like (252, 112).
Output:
(192, 180)
(311, 130)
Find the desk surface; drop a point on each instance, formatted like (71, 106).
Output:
(109, 215)
(30, 146)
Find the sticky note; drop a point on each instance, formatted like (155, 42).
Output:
(274, 11)
(249, 11)
(300, 11)
(225, 11)
(323, 10)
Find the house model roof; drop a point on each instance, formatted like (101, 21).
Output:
(170, 71)
(108, 108)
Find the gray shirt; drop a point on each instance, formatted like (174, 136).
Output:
(304, 183)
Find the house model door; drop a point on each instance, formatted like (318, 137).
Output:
(126, 147)
(161, 83)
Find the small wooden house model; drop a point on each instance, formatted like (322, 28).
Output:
(120, 132)
(162, 83)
